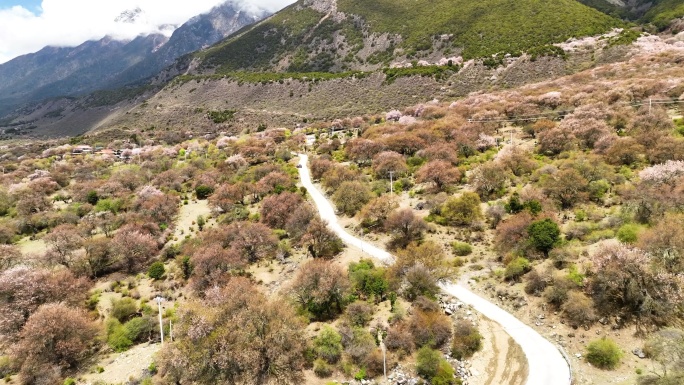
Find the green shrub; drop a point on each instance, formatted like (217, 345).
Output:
(5, 366)
(626, 37)
(117, 337)
(516, 269)
(534, 206)
(368, 280)
(220, 116)
(403, 184)
(93, 300)
(438, 72)
(351, 196)
(604, 353)
(598, 189)
(201, 222)
(461, 249)
(575, 276)
(122, 336)
(185, 265)
(628, 233)
(444, 375)
(322, 369)
(427, 362)
(328, 345)
(69, 381)
(463, 210)
(466, 341)
(112, 205)
(123, 309)
(514, 205)
(580, 215)
(544, 234)
(203, 191)
(137, 328)
(92, 197)
(546, 50)
(598, 235)
(156, 270)
(432, 366)
(360, 375)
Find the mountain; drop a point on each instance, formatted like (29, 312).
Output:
(199, 32)
(318, 60)
(337, 35)
(109, 63)
(658, 12)
(57, 71)
(129, 15)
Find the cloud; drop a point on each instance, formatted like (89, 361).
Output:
(72, 22)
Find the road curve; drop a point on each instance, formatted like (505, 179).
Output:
(545, 362)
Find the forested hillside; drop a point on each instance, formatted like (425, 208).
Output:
(348, 34)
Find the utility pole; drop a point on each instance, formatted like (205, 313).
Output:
(170, 331)
(384, 361)
(161, 325)
(384, 355)
(650, 104)
(391, 182)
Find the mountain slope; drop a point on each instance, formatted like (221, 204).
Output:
(199, 32)
(67, 71)
(658, 12)
(611, 7)
(664, 12)
(108, 63)
(325, 35)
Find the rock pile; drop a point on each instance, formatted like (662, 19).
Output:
(449, 305)
(399, 377)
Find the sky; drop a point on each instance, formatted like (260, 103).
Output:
(26, 26)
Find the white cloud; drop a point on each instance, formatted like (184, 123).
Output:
(72, 22)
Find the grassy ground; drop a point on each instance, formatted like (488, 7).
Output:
(186, 224)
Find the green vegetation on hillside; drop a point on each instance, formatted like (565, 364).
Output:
(302, 38)
(438, 72)
(626, 37)
(607, 7)
(111, 97)
(271, 77)
(664, 12)
(482, 28)
(258, 47)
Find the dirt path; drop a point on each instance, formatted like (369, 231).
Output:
(120, 367)
(546, 364)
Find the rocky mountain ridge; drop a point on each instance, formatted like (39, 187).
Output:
(109, 63)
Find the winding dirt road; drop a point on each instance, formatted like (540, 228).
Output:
(546, 364)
